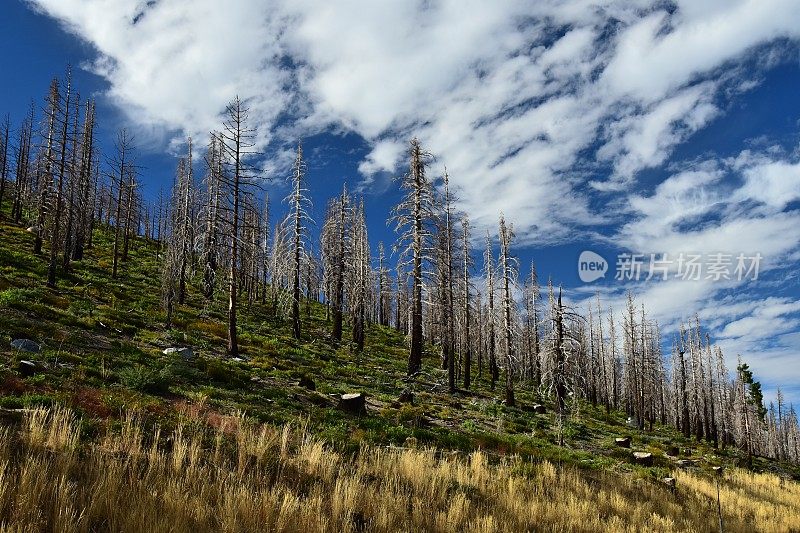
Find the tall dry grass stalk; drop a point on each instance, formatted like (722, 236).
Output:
(246, 477)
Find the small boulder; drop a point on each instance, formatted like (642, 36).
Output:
(27, 368)
(669, 482)
(406, 397)
(643, 458)
(307, 383)
(25, 345)
(185, 352)
(354, 403)
(539, 409)
(623, 442)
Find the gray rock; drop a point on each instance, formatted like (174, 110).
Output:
(185, 352)
(25, 345)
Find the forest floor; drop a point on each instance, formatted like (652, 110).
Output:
(102, 356)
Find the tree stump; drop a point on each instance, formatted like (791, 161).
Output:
(672, 451)
(643, 458)
(354, 403)
(406, 397)
(539, 409)
(623, 442)
(27, 368)
(307, 383)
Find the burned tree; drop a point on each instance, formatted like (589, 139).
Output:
(466, 303)
(122, 171)
(412, 217)
(336, 248)
(236, 144)
(508, 273)
(297, 224)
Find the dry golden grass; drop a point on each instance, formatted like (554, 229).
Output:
(246, 477)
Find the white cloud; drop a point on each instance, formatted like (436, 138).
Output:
(180, 63)
(644, 140)
(701, 36)
(384, 157)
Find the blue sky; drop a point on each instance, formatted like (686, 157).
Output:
(604, 125)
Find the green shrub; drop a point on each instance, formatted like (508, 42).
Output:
(11, 402)
(144, 379)
(16, 297)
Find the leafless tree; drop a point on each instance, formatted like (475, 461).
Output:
(336, 249)
(236, 143)
(489, 315)
(298, 219)
(466, 302)
(412, 217)
(508, 277)
(4, 151)
(122, 171)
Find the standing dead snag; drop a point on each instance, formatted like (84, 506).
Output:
(45, 183)
(488, 265)
(465, 295)
(236, 143)
(86, 185)
(121, 171)
(336, 248)
(211, 237)
(55, 219)
(185, 222)
(22, 163)
(4, 150)
(532, 296)
(412, 217)
(384, 289)
(297, 222)
(447, 303)
(508, 269)
(177, 239)
(360, 276)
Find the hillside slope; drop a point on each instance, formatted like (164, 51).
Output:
(102, 356)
